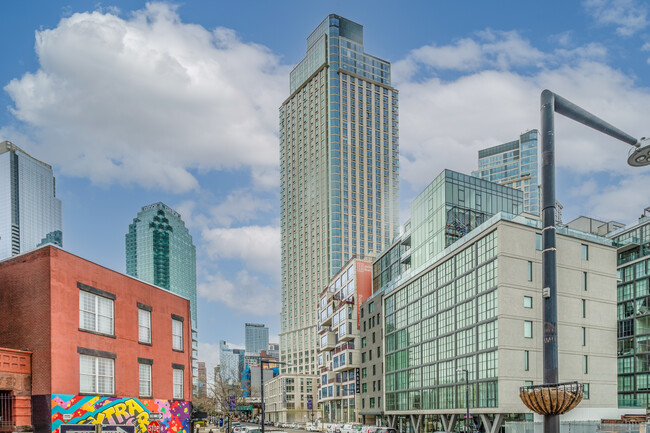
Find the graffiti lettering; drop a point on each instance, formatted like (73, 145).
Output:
(129, 412)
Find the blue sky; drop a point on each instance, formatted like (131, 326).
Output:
(134, 103)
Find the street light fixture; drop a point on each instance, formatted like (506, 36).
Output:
(466, 395)
(262, 362)
(550, 103)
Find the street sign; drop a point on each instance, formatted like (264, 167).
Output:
(357, 380)
(77, 428)
(154, 415)
(153, 427)
(231, 400)
(310, 404)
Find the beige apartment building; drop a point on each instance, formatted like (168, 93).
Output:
(476, 306)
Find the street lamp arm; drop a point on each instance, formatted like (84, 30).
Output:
(567, 108)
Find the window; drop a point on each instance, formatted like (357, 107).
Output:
(144, 326)
(528, 302)
(374, 369)
(583, 307)
(585, 364)
(528, 329)
(363, 342)
(584, 336)
(584, 281)
(371, 307)
(145, 380)
(364, 373)
(526, 360)
(177, 335)
(178, 383)
(96, 375)
(586, 389)
(95, 313)
(538, 241)
(530, 271)
(585, 251)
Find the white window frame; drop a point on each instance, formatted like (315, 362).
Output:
(177, 338)
(97, 300)
(146, 383)
(144, 329)
(178, 375)
(96, 362)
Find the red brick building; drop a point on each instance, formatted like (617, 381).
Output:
(94, 332)
(15, 390)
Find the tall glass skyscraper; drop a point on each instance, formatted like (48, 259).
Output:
(159, 250)
(339, 159)
(30, 213)
(513, 164)
(257, 337)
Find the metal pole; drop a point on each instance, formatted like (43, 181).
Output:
(467, 399)
(551, 103)
(262, 390)
(549, 276)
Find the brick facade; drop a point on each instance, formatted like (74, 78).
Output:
(41, 295)
(16, 377)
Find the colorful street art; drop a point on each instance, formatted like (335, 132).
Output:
(129, 411)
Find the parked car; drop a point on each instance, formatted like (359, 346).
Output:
(311, 427)
(351, 428)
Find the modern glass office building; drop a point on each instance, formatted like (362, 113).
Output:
(513, 164)
(160, 251)
(448, 208)
(30, 213)
(257, 337)
(634, 313)
(339, 161)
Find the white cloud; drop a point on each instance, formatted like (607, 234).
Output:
(148, 99)
(246, 293)
(629, 16)
(257, 246)
(239, 206)
(623, 201)
(209, 353)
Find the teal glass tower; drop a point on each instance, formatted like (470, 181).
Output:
(159, 250)
(339, 169)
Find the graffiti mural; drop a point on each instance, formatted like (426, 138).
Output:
(129, 411)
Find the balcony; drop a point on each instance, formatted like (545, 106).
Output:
(328, 341)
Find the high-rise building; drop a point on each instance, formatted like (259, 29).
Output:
(30, 213)
(203, 380)
(513, 164)
(159, 250)
(339, 159)
(257, 337)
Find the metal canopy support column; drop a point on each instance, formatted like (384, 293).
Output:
(449, 424)
(492, 426)
(416, 425)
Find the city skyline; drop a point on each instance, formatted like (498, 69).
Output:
(110, 154)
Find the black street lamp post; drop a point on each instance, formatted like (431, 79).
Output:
(550, 103)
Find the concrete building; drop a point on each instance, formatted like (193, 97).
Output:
(251, 380)
(477, 306)
(257, 337)
(371, 406)
(30, 213)
(633, 297)
(290, 398)
(160, 251)
(339, 169)
(105, 347)
(514, 164)
(340, 356)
